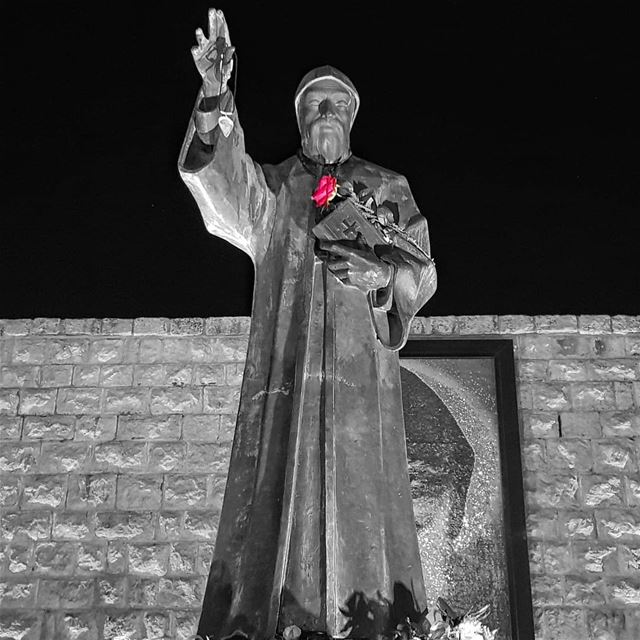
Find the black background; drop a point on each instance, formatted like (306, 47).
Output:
(515, 123)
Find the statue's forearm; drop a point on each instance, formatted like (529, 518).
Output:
(207, 114)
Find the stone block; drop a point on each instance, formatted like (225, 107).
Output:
(95, 428)
(79, 401)
(596, 558)
(556, 324)
(149, 559)
(187, 326)
(8, 402)
(111, 592)
(624, 395)
(570, 454)
(117, 557)
(126, 400)
(169, 525)
(614, 456)
(106, 351)
(568, 370)
(15, 327)
(20, 626)
(594, 324)
(204, 429)
(94, 492)
(633, 491)
(614, 369)
(30, 525)
(45, 326)
(186, 624)
(86, 375)
(19, 376)
(578, 424)
(143, 592)
(585, 591)
(625, 593)
(9, 491)
(17, 594)
(91, 558)
(120, 456)
(602, 491)
(533, 455)
(151, 326)
(185, 491)
(19, 558)
(183, 558)
(557, 558)
(549, 397)
(139, 492)
(577, 525)
(178, 349)
(221, 399)
(227, 326)
(620, 424)
(205, 374)
(54, 558)
(593, 396)
(207, 458)
(180, 592)
(606, 624)
(629, 559)
(167, 427)
(176, 400)
(566, 623)
(43, 491)
(178, 375)
(608, 346)
(540, 425)
(514, 324)
(166, 456)
(618, 525)
(66, 594)
(37, 401)
(150, 350)
(552, 491)
(219, 350)
(625, 324)
(444, 325)
(68, 350)
(632, 345)
(116, 375)
(71, 526)
(149, 375)
(477, 325)
(205, 558)
(155, 624)
(77, 626)
(29, 351)
(80, 326)
(49, 427)
(234, 374)
(22, 458)
(129, 525)
(65, 457)
(532, 370)
(10, 428)
(56, 375)
(117, 326)
(420, 326)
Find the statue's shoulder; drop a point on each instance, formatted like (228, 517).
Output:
(276, 174)
(367, 169)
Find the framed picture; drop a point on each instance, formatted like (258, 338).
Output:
(463, 445)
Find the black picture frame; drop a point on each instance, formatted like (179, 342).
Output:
(515, 536)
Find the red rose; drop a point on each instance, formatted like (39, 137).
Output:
(325, 191)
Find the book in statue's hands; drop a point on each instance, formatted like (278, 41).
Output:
(346, 222)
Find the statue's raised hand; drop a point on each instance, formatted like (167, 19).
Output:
(214, 55)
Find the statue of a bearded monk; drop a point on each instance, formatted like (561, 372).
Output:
(317, 526)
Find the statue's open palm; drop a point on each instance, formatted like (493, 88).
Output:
(214, 55)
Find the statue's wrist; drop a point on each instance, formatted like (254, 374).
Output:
(213, 88)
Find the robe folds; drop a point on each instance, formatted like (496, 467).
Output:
(317, 525)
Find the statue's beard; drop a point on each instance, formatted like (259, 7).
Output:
(326, 145)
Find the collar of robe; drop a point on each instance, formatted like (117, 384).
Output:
(318, 169)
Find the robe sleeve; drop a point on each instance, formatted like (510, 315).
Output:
(414, 278)
(229, 187)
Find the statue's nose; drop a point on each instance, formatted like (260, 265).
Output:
(326, 108)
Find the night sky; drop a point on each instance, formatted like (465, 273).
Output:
(516, 125)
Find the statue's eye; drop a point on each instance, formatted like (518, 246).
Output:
(342, 104)
(313, 103)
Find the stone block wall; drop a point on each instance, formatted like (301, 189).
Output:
(114, 442)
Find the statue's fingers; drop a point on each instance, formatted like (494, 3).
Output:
(224, 27)
(213, 24)
(200, 37)
(335, 247)
(228, 54)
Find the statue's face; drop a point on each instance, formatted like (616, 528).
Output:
(326, 111)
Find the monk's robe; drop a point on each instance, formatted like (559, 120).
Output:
(317, 526)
